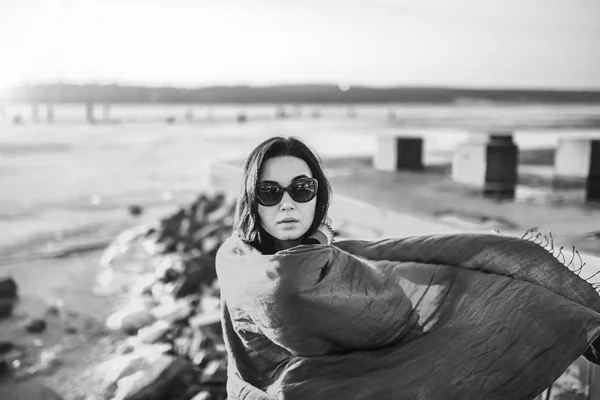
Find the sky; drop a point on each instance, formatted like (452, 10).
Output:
(472, 43)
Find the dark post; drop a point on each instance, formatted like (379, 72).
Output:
(593, 179)
(502, 162)
(489, 163)
(399, 152)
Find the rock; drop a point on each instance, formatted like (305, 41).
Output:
(143, 286)
(36, 325)
(28, 389)
(158, 290)
(8, 288)
(165, 377)
(4, 368)
(210, 319)
(125, 348)
(173, 312)
(53, 310)
(130, 319)
(8, 296)
(6, 307)
(170, 275)
(153, 333)
(136, 210)
(211, 245)
(71, 330)
(6, 346)
(199, 271)
(181, 346)
(201, 359)
(197, 346)
(48, 358)
(111, 371)
(203, 395)
(215, 372)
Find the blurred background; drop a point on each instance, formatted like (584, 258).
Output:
(430, 116)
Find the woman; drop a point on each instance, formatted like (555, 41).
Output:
(284, 197)
(464, 316)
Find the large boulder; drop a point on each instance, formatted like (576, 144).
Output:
(147, 375)
(131, 318)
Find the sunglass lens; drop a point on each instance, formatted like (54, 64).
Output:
(269, 195)
(304, 190)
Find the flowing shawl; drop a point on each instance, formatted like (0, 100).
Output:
(459, 316)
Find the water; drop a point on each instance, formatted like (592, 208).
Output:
(403, 114)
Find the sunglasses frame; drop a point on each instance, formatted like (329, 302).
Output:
(287, 189)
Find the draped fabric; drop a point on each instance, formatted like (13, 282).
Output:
(461, 316)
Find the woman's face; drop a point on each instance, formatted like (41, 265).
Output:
(288, 220)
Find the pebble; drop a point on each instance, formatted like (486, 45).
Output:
(136, 210)
(154, 332)
(203, 395)
(36, 325)
(71, 330)
(130, 319)
(173, 312)
(214, 372)
(6, 346)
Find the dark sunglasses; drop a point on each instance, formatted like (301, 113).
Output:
(301, 190)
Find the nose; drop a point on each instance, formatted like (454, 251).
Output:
(286, 202)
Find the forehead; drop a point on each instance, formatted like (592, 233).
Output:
(283, 169)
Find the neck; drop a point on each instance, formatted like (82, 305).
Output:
(285, 244)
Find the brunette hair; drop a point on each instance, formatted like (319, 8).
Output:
(247, 220)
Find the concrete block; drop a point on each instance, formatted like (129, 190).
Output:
(572, 158)
(487, 162)
(397, 152)
(578, 159)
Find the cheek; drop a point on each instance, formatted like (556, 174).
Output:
(265, 215)
(309, 210)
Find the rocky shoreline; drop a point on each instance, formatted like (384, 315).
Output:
(165, 340)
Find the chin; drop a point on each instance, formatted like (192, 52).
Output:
(290, 236)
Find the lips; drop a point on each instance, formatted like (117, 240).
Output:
(288, 220)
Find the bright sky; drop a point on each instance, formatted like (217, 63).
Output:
(525, 43)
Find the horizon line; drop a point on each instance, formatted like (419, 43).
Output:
(347, 85)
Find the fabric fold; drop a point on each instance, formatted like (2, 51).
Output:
(463, 316)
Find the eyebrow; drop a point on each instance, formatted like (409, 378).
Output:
(293, 179)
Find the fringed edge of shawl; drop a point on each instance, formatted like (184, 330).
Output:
(575, 265)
